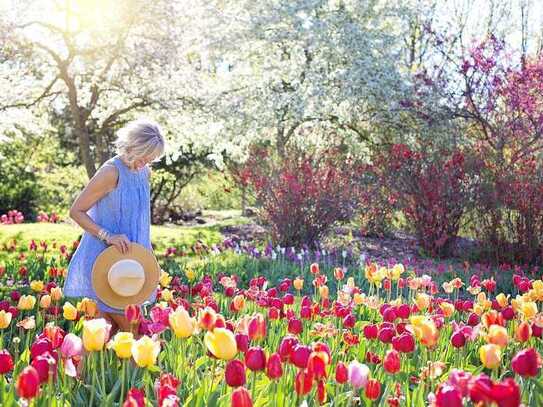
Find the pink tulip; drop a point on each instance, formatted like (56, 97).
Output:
(358, 374)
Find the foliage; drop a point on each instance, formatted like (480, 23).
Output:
(432, 190)
(303, 195)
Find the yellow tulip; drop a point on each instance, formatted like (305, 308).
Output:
(528, 309)
(239, 302)
(447, 308)
(190, 273)
(490, 355)
(350, 282)
(424, 330)
(165, 279)
(397, 271)
(122, 344)
(69, 311)
(45, 301)
(87, 307)
(497, 335)
(181, 323)
(37, 285)
(166, 295)
(145, 351)
(324, 291)
(95, 333)
(298, 283)
(56, 293)
(502, 300)
(5, 319)
(221, 343)
(422, 301)
(26, 302)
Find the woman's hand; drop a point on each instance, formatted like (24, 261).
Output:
(121, 242)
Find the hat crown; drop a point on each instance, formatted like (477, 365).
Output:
(126, 277)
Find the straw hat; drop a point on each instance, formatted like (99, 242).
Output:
(124, 279)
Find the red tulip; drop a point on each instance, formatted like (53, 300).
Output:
(373, 389)
(386, 334)
(505, 394)
(6, 362)
(46, 366)
(448, 396)
(40, 346)
(274, 313)
(241, 398)
(342, 373)
(305, 313)
(303, 382)
(403, 311)
(508, 313)
(135, 398)
(295, 326)
(300, 355)
(274, 368)
(28, 383)
(404, 343)
(321, 392)
(537, 331)
(314, 268)
(458, 339)
(349, 321)
(286, 346)
(391, 362)
(255, 359)
(316, 365)
(371, 331)
(523, 332)
(242, 342)
(257, 328)
(527, 362)
(473, 319)
(132, 314)
(234, 373)
(389, 315)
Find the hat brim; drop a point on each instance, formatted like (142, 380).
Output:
(112, 255)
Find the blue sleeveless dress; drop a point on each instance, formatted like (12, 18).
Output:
(125, 210)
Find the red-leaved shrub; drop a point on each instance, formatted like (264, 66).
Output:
(432, 190)
(303, 195)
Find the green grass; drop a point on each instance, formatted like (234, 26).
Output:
(161, 236)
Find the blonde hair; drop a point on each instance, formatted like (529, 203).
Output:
(139, 139)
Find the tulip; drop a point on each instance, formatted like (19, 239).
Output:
(242, 342)
(303, 382)
(45, 301)
(5, 319)
(145, 351)
(37, 286)
(528, 309)
(358, 374)
(371, 331)
(181, 323)
(133, 313)
(422, 301)
(404, 343)
(286, 346)
(458, 339)
(314, 268)
(40, 346)
(403, 311)
(490, 355)
(88, 307)
(447, 308)
(221, 343)
(300, 355)
(425, 330)
(497, 335)
(122, 344)
(26, 302)
(342, 373)
(274, 368)
(28, 383)
(316, 364)
(69, 311)
(71, 346)
(56, 293)
(95, 334)
(241, 398)
(255, 359)
(448, 396)
(257, 328)
(6, 362)
(391, 362)
(135, 398)
(386, 334)
(523, 332)
(527, 363)
(298, 284)
(295, 326)
(321, 392)
(373, 389)
(46, 366)
(234, 373)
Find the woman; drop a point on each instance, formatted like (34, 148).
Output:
(114, 209)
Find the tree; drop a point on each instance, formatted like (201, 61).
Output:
(99, 61)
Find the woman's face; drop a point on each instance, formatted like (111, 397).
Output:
(143, 161)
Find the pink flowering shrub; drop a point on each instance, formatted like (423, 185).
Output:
(13, 216)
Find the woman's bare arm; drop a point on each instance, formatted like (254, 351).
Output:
(100, 185)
